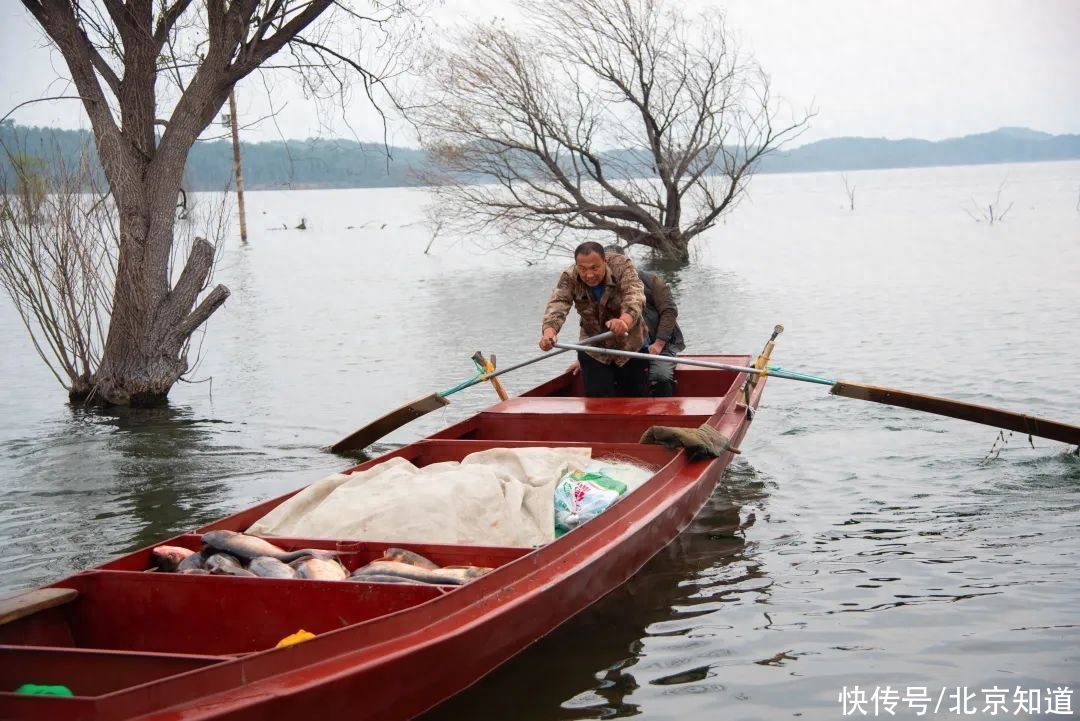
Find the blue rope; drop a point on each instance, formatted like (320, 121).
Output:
(797, 376)
(480, 376)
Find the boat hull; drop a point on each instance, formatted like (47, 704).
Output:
(403, 661)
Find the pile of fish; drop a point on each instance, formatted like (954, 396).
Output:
(230, 553)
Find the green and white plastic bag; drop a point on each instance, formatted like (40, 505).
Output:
(583, 495)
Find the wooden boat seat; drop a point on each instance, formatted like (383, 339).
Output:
(590, 421)
(25, 604)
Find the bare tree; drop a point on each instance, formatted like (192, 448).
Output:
(58, 261)
(140, 65)
(612, 116)
(993, 212)
(850, 190)
(59, 245)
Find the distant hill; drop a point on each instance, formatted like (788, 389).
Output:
(1006, 145)
(316, 163)
(312, 163)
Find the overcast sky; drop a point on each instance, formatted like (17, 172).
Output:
(883, 68)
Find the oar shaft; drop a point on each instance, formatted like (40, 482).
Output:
(549, 354)
(661, 358)
(769, 371)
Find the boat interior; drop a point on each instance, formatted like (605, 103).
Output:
(122, 625)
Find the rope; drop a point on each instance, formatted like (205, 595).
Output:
(797, 376)
(478, 378)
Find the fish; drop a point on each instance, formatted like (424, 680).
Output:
(248, 547)
(469, 572)
(194, 572)
(169, 558)
(442, 576)
(222, 564)
(383, 578)
(319, 569)
(413, 559)
(267, 567)
(194, 562)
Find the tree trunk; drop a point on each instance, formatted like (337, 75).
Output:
(673, 247)
(146, 349)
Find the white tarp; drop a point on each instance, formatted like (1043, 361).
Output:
(497, 497)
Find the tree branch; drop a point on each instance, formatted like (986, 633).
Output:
(214, 300)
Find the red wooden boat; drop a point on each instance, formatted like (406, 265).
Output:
(136, 645)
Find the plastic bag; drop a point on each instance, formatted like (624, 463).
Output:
(583, 495)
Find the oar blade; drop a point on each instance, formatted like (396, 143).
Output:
(380, 427)
(1019, 422)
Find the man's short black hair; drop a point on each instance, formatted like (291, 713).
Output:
(588, 248)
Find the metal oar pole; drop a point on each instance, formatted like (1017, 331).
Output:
(488, 376)
(768, 371)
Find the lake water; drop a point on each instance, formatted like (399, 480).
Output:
(851, 544)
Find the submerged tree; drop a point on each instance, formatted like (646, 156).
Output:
(143, 65)
(611, 116)
(59, 245)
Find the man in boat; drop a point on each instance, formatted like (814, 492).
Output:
(608, 295)
(661, 319)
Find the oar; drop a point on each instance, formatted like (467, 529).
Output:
(365, 436)
(1019, 422)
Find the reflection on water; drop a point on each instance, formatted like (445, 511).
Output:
(121, 477)
(592, 664)
(855, 543)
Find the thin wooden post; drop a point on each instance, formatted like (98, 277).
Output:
(237, 170)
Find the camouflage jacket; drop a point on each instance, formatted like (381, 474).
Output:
(623, 293)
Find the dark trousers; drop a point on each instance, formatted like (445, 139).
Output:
(662, 377)
(604, 381)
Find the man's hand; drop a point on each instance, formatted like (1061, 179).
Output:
(619, 326)
(657, 347)
(574, 368)
(548, 340)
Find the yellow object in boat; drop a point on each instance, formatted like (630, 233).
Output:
(297, 637)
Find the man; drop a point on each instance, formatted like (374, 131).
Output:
(661, 319)
(608, 295)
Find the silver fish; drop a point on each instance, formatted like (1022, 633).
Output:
(319, 569)
(469, 572)
(222, 564)
(248, 547)
(384, 578)
(403, 556)
(441, 576)
(169, 558)
(196, 561)
(266, 567)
